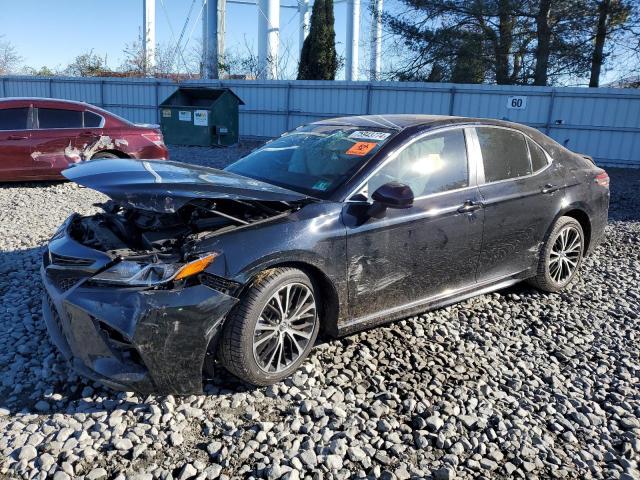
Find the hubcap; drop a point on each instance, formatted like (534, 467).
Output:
(285, 327)
(565, 254)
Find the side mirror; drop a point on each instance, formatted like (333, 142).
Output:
(390, 195)
(394, 195)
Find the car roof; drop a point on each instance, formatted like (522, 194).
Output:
(404, 121)
(44, 100)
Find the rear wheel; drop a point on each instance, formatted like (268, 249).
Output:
(104, 155)
(273, 329)
(560, 256)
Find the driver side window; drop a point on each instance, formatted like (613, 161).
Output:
(434, 164)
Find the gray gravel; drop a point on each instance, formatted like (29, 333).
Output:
(512, 384)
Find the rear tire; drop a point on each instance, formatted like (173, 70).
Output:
(560, 256)
(272, 330)
(104, 155)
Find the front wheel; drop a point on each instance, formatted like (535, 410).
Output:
(272, 330)
(561, 256)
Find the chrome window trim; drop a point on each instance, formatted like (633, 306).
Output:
(481, 178)
(471, 163)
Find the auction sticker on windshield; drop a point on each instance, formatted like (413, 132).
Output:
(369, 135)
(361, 148)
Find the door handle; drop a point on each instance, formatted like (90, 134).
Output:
(87, 134)
(470, 206)
(549, 188)
(17, 137)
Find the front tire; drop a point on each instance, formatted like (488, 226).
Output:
(272, 330)
(560, 257)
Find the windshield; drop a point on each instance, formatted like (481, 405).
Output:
(314, 159)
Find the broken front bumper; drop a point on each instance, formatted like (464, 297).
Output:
(149, 341)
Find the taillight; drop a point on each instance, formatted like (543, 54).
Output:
(155, 137)
(602, 179)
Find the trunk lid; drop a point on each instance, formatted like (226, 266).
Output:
(165, 186)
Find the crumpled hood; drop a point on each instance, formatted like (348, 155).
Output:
(165, 186)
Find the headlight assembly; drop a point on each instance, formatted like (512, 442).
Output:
(137, 274)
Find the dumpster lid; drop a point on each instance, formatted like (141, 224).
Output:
(165, 186)
(197, 97)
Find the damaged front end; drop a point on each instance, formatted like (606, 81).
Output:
(131, 300)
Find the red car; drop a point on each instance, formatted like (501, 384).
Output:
(40, 137)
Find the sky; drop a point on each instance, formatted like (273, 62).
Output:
(52, 33)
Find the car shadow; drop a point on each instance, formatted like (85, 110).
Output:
(32, 184)
(34, 377)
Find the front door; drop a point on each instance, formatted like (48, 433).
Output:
(15, 150)
(409, 255)
(521, 193)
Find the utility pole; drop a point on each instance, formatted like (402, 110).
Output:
(305, 21)
(268, 38)
(213, 33)
(353, 38)
(149, 35)
(376, 40)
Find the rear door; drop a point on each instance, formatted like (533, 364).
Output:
(55, 139)
(15, 150)
(521, 193)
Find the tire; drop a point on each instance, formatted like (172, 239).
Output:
(556, 275)
(256, 324)
(104, 155)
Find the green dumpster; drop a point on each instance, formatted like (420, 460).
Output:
(200, 116)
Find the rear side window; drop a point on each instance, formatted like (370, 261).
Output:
(538, 157)
(504, 154)
(14, 118)
(434, 164)
(92, 120)
(59, 118)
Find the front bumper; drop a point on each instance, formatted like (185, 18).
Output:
(148, 341)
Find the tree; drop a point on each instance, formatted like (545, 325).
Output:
(469, 64)
(612, 14)
(137, 64)
(440, 32)
(9, 58)
(44, 71)
(514, 41)
(87, 64)
(318, 58)
(245, 63)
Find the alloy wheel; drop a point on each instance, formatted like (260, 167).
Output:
(565, 254)
(284, 328)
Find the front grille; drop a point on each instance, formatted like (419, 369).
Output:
(65, 283)
(65, 261)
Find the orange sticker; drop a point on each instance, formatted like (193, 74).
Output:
(361, 148)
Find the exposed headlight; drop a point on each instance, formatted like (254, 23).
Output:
(137, 274)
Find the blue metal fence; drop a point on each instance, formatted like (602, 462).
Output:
(603, 123)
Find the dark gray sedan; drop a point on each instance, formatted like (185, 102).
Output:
(336, 226)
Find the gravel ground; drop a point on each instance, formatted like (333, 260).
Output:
(512, 384)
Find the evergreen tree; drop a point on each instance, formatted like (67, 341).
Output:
(318, 59)
(469, 64)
